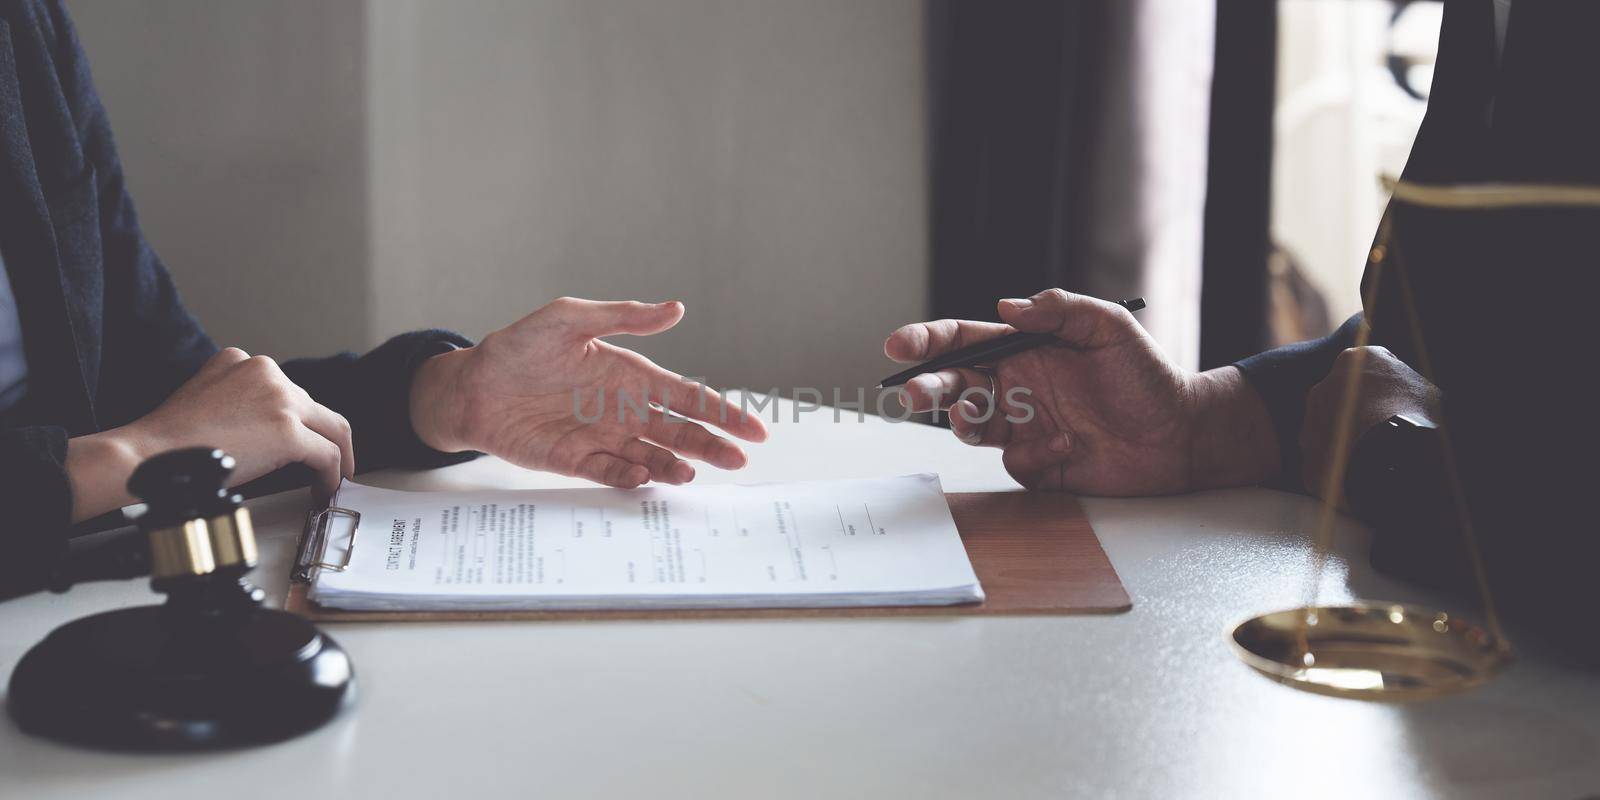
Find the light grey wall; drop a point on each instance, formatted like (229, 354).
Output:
(349, 170)
(240, 125)
(763, 161)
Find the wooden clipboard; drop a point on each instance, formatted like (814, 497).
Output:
(1034, 553)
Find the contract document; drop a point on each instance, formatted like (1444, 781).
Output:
(879, 542)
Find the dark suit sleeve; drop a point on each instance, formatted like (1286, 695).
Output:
(152, 344)
(38, 503)
(1285, 376)
(374, 391)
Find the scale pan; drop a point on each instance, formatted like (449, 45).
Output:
(1371, 651)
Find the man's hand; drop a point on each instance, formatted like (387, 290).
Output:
(1387, 387)
(517, 395)
(1112, 415)
(242, 404)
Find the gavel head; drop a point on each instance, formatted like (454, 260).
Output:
(196, 527)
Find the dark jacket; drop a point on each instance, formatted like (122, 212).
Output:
(106, 336)
(1505, 303)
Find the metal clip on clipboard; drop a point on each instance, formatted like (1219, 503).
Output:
(313, 555)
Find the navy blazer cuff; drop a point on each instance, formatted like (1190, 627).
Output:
(1284, 376)
(373, 392)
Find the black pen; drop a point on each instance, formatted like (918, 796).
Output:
(985, 353)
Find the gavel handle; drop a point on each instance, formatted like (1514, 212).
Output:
(107, 557)
(113, 557)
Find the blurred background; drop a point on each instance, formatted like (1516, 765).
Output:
(1353, 79)
(321, 174)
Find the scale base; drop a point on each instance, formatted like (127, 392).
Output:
(1371, 651)
(143, 679)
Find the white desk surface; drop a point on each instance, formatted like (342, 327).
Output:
(1151, 703)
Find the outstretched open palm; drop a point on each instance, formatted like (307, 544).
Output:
(547, 393)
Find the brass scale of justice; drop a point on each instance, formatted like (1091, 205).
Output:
(1385, 651)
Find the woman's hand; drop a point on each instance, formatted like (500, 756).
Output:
(1107, 412)
(529, 393)
(242, 404)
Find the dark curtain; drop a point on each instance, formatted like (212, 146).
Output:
(1015, 92)
(1234, 287)
(1041, 158)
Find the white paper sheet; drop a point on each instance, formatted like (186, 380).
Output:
(888, 541)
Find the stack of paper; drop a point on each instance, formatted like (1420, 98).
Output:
(882, 542)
